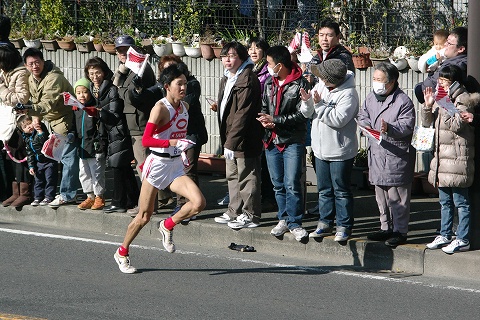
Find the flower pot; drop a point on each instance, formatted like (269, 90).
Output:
(178, 49)
(162, 49)
(109, 47)
(18, 43)
(207, 51)
(147, 45)
(85, 46)
(32, 43)
(413, 63)
(362, 60)
(376, 61)
(217, 51)
(66, 45)
(98, 47)
(193, 52)
(50, 45)
(401, 64)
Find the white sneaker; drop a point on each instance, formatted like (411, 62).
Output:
(224, 218)
(439, 241)
(279, 229)
(124, 263)
(58, 201)
(456, 246)
(341, 236)
(35, 203)
(242, 221)
(167, 237)
(299, 233)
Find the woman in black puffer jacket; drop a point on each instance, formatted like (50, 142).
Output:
(119, 151)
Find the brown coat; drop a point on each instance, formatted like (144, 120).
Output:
(452, 165)
(14, 88)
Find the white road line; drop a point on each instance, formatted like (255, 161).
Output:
(316, 269)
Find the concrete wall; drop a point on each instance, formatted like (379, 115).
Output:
(209, 73)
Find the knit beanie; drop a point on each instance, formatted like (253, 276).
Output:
(82, 82)
(331, 70)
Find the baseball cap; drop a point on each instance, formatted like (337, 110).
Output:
(124, 41)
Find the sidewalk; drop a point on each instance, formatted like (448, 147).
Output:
(411, 258)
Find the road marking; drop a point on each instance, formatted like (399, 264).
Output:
(269, 264)
(5, 316)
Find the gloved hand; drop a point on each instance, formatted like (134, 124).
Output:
(184, 144)
(137, 82)
(228, 154)
(91, 111)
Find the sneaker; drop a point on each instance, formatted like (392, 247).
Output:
(314, 210)
(58, 201)
(224, 218)
(439, 242)
(167, 237)
(341, 236)
(224, 201)
(45, 201)
(35, 203)
(299, 233)
(124, 263)
(86, 204)
(396, 240)
(242, 221)
(279, 229)
(321, 232)
(99, 203)
(380, 235)
(457, 245)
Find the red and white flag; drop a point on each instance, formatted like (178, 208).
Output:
(295, 43)
(69, 100)
(136, 61)
(305, 56)
(372, 133)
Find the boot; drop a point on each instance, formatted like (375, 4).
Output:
(15, 195)
(25, 196)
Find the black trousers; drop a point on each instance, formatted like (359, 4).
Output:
(125, 188)
(46, 178)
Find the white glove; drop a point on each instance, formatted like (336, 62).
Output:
(228, 154)
(184, 144)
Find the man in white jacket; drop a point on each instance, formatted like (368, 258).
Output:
(333, 105)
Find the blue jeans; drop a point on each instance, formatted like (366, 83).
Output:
(285, 170)
(335, 198)
(70, 171)
(449, 199)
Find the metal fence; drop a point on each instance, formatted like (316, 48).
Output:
(364, 22)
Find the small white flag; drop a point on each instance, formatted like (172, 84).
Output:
(68, 100)
(136, 61)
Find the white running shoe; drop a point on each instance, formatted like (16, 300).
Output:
(279, 229)
(439, 242)
(124, 263)
(35, 203)
(224, 218)
(341, 236)
(299, 233)
(167, 237)
(242, 221)
(457, 245)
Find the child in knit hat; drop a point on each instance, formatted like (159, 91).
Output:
(92, 148)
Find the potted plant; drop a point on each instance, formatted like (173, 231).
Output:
(97, 43)
(360, 169)
(32, 36)
(380, 54)
(178, 47)
(109, 42)
(16, 37)
(84, 43)
(206, 43)
(193, 50)
(66, 42)
(360, 53)
(49, 41)
(161, 46)
(398, 59)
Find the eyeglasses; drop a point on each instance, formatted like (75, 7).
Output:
(35, 63)
(229, 56)
(448, 43)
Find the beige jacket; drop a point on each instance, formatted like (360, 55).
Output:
(452, 165)
(14, 88)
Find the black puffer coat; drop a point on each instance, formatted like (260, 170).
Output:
(120, 150)
(34, 144)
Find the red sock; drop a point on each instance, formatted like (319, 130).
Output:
(123, 251)
(169, 224)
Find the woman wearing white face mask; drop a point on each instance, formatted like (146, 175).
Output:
(391, 162)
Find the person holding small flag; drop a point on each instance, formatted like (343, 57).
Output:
(391, 158)
(120, 151)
